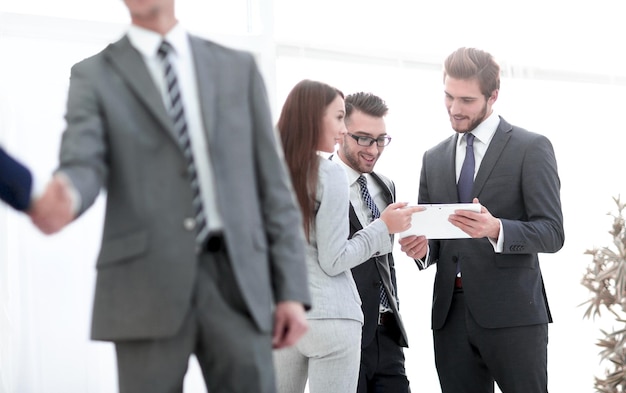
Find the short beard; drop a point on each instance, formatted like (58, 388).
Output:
(352, 159)
(481, 117)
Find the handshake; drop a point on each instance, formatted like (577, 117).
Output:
(53, 209)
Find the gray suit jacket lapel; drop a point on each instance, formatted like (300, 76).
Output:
(388, 195)
(206, 75)
(381, 261)
(130, 66)
(448, 161)
(496, 146)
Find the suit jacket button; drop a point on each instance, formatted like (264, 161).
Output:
(189, 224)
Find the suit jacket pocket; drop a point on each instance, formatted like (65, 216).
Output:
(122, 249)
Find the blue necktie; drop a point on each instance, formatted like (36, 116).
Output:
(466, 178)
(367, 198)
(177, 114)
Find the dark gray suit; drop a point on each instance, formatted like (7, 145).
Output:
(519, 184)
(119, 137)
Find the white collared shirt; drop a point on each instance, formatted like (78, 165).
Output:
(482, 137)
(360, 207)
(147, 43)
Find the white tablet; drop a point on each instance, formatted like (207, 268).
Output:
(433, 221)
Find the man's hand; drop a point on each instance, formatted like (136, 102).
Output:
(414, 247)
(290, 324)
(477, 225)
(52, 211)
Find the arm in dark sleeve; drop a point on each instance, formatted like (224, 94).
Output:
(16, 182)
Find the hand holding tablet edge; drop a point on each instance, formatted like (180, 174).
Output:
(433, 223)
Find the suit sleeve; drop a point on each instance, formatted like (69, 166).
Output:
(336, 252)
(542, 229)
(282, 217)
(16, 182)
(83, 147)
(432, 255)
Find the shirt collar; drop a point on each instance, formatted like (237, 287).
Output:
(485, 130)
(352, 174)
(147, 41)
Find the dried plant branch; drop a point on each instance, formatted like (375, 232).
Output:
(606, 281)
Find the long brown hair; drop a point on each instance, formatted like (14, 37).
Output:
(300, 127)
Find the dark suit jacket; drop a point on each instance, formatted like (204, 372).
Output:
(518, 183)
(120, 137)
(15, 182)
(373, 273)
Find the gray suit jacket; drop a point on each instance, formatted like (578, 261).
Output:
(517, 182)
(330, 255)
(119, 137)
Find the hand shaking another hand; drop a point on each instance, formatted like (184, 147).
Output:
(52, 210)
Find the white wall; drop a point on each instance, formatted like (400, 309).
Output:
(46, 283)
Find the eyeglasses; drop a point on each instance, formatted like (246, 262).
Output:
(362, 140)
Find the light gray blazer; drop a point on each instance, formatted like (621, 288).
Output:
(119, 137)
(330, 255)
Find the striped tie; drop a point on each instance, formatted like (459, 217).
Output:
(177, 114)
(365, 194)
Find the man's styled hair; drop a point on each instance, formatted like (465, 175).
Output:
(367, 103)
(472, 63)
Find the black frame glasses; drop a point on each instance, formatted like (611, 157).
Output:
(363, 140)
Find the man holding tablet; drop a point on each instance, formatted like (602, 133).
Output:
(490, 312)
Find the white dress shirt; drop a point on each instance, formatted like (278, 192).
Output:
(361, 209)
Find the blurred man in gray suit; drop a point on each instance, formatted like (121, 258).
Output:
(202, 251)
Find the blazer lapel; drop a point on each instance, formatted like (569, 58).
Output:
(448, 163)
(496, 146)
(129, 64)
(382, 262)
(354, 219)
(388, 194)
(206, 75)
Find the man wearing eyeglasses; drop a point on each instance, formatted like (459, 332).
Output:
(382, 357)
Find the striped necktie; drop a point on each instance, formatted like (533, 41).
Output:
(177, 114)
